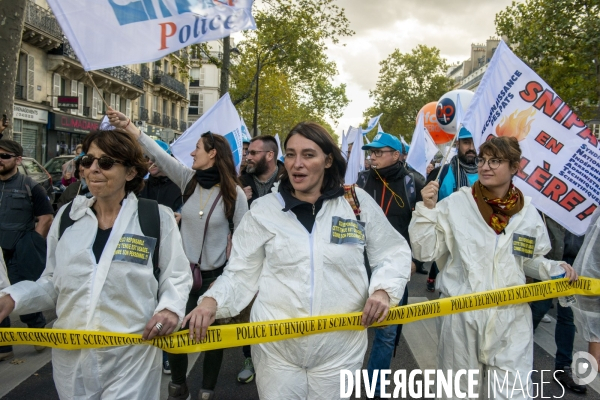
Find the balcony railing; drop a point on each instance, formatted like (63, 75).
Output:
(166, 121)
(19, 92)
(183, 126)
(126, 75)
(169, 82)
(156, 118)
(86, 111)
(42, 19)
(174, 123)
(144, 114)
(195, 83)
(145, 72)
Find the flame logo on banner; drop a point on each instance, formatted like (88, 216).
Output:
(517, 124)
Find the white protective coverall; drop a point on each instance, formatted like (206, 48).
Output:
(110, 296)
(301, 274)
(473, 258)
(587, 263)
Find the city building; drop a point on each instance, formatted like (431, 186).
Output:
(154, 95)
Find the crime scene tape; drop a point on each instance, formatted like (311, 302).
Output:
(224, 336)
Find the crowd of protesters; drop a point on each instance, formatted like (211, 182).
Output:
(258, 247)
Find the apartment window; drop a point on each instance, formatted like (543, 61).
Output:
(154, 103)
(164, 108)
(193, 108)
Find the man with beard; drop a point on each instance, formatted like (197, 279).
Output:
(260, 175)
(462, 169)
(397, 190)
(261, 169)
(23, 241)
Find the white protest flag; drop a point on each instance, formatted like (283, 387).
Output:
(356, 159)
(245, 134)
(560, 167)
(422, 148)
(379, 129)
(372, 122)
(108, 33)
(279, 150)
(105, 124)
(221, 119)
(344, 147)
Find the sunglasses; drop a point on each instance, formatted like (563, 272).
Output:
(6, 156)
(104, 162)
(212, 138)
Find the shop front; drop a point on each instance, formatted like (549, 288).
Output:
(29, 129)
(66, 132)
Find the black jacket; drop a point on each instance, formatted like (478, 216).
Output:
(164, 191)
(398, 213)
(248, 180)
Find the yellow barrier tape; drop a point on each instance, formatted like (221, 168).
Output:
(224, 336)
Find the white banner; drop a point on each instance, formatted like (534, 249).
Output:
(108, 33)
(356, 158)
(422, 148)
(560, 166)
(222, 119)
(372, 122)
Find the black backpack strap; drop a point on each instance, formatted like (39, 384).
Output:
(65, 220)
(149, 217)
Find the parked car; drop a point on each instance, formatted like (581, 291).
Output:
(30, 167)
(54, 167)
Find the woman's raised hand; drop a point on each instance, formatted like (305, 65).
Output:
(120, 121)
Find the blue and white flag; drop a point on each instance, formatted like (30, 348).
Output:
(559, 162)
(356, 159)
(105, 124)
(245, 133)
(108, 33)
(422, 148)
(372, 122)
(222, 119)
(279, 150)
(344, 147)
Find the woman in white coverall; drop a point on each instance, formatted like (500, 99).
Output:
(474, 234)
(96, 287)
(587, 308)
(285, 249)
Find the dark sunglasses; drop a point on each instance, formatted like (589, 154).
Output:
(212, 138)
(104, 162)
(6, 156)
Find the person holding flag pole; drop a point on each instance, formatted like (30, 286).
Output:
(505, 241)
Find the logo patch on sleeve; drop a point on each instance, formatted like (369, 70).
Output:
(347, 231)
(523, 245)
(134, 249)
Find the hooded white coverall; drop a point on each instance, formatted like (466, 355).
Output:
(587, 263)
(110, 296)
(473, 258)
(301, 274)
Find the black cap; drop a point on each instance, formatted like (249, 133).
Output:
(11, 146)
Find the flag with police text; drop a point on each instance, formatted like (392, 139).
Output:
(560, 164)
(109, 33)
(222, 119)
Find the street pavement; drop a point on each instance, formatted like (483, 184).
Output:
(31, 376)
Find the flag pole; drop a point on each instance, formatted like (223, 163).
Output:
(97, 90)
(446, 156)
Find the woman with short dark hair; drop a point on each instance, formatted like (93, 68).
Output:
(485, 237)
(287, 245)
(99, 285)
(215, 204)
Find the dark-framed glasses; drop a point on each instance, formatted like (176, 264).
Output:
(379, 153)
(6, 156)
(493, 163)
(104, 162)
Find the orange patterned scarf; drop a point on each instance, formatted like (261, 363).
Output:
(497, 212)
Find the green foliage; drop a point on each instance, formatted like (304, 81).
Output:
(407, 81)
(289, 49)
(560, 40)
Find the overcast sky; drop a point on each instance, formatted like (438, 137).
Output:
(381, 26)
